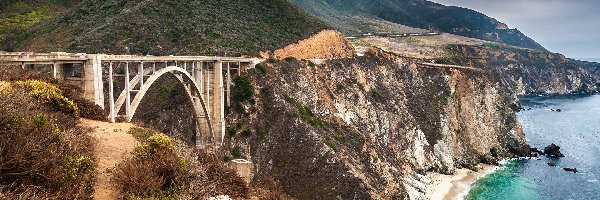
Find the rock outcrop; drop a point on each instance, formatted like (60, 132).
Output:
(529, 71)
(553, 150)
(326, 44)
(370, 127)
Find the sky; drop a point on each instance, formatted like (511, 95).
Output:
(570, 27)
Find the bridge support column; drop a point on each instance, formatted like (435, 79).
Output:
(127, 93)
(57, 71)
(92, 80)
(218, 107)
(228, 84)
(111, 95)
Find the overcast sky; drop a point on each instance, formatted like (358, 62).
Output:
(570, 27)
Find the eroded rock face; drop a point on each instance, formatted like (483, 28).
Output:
(530, 72)
(370, 127)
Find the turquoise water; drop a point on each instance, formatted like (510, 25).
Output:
(576, 130)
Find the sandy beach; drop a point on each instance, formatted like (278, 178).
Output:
(452, 187)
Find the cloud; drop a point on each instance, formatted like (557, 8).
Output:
(565, 26)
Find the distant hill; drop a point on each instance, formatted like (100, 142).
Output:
(186, 27)
(356, 16)
(18, 15)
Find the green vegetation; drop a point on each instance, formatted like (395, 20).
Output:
(19, 15)
(167, 90)
(272, 60)
(267, 107)
(246, 132)
(236, 152)
(330, 144)
(339, 87)
(242, 92)
(190, 27)
(141, 134)
(77, 166)
(154, 170)
(261, 68)
(290, 59)
(305, 113)
(231, 131)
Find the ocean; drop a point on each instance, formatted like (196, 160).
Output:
(576, 129)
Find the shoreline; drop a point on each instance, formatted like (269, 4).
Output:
(457, 186)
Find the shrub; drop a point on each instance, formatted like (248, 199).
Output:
(236, 152)
(261, 68)
(77, 165)
(246, 132)
(153, 171)
(40, 121)
(290, 59)
(49, 93)
(231, 131)
(141, 134)
(42, 152)
(242, 91)
(272, 60)
(158, 176)
(305, 113)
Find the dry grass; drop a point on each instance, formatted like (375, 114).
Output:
(43, 152)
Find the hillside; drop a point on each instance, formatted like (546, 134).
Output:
(17, 15)
(168, 27)
(355, 16)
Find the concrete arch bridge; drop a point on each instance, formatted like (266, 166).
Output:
(207, 82)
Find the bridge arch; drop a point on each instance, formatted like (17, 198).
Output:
(204, 134)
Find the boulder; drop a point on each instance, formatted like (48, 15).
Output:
(574, 170)
(551, 164)
(535, 150)
(553, 150)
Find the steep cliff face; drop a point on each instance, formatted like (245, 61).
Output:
(528, 71)
(370, 127)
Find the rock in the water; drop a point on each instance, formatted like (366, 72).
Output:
(553, 150)
(551, 164)
(516, 108)
(574, 170)
(535, 150)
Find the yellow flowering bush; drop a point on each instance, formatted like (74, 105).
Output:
(50, 93)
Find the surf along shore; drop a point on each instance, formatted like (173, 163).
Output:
(451, 187)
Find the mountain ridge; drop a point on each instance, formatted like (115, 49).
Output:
(420, 14)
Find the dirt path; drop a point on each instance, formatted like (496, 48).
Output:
(112, 144)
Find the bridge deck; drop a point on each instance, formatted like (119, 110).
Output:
(51, 58)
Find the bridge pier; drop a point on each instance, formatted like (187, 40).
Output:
(218, 111)
(92, 80)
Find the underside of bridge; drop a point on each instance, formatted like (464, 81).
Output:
(128, 79)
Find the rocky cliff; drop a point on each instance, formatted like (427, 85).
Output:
(529, 71)
(369, 127)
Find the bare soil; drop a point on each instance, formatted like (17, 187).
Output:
(112, 145)
(326, 44)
